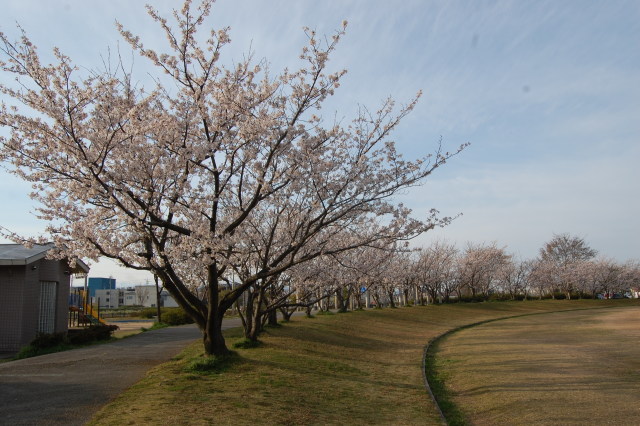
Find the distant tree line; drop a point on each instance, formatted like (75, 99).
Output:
(566, 267)
(392, 276)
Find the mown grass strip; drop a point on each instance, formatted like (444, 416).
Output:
(570, 367)
(436, 369)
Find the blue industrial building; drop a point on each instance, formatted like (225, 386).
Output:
(100, 284)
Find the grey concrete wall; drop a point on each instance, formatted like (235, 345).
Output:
(30, 303)
(11, 295)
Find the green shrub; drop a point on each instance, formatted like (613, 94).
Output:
(46, 343)
(149, 312)
(31, 351)
(505, 297)
(171, 316)
(175, 316)
(48, 340)
(91, 334)
(472, 299)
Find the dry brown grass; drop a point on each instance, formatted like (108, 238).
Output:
(580, 367)
(355, 368)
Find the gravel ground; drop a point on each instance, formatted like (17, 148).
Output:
(69, 387)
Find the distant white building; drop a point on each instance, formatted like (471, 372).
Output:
(142, 295)
(167, 300)
(109, 299)
(146, 295)
(129, 297)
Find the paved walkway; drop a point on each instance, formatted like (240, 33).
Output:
(69, 387)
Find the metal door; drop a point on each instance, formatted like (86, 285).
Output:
(47, 317)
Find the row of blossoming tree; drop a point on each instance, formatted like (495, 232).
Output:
(566, 267)
(223, 181)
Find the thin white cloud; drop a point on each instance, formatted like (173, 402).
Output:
(522, 207)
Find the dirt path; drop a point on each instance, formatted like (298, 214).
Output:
(69, 387)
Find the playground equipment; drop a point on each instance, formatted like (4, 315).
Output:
(81, 310)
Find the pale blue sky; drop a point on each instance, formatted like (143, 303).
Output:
(547, 92)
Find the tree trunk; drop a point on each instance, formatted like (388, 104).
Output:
(392, 303)
(204, 309)
(361, 300)
(213, 341)
(433, 294)
(254, 319)
(342, 306)
(286, 314)
(272, 317)
(255, 310)
(376, 298)
(158, 298)
(254, 331)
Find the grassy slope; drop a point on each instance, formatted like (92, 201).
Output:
(580, 367)
(355, 368)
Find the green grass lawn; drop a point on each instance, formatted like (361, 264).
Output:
(355, 368)
(579, 367)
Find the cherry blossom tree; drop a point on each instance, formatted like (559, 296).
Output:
(310, 286)
(357, 274)
(407, 274)
(437, 270)
(541, 278)
(173, 179)
(561, 258)
(479, 267)
(631, 277)
(610, 275)
(587, 279)
(604, 275)
(515, 278)
(565, 249)
(341, 275)
(395, 277)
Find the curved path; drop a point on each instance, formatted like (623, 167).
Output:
(69, 387)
